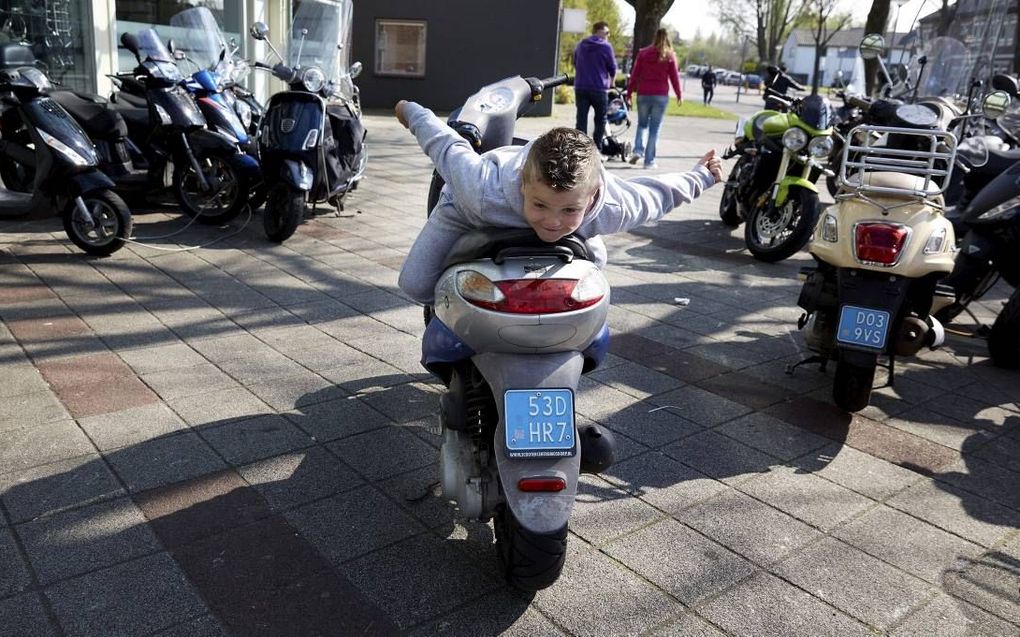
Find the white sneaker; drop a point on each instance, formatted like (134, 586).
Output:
(633, 159)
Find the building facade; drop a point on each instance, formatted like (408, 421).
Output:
(840, 55)
(984, 26)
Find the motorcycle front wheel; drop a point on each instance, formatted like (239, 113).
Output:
(851, 387)
(104, 234)
(531, 561)
(285, 208)
(772, 234)
(1004, 339)
(728, 210)
(224, 200)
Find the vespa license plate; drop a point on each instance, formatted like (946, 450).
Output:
(863, 327)
(539, 423)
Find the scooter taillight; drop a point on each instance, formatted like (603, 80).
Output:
(880, 242)
(530, 296)
(541, 484)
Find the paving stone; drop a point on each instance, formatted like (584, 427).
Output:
(1002, 451)
(636, 380)
(600, 402)
(806, 497)
(260, 366)
(595, 596)
(403, 403)
(651, 426)
(384, 452)
(603, 512)
(188, 381)
(720, 457)
(985, 479)
(244, 441)
(689, 625)
(28, 410)
(298, 477)
(933, 426)
(499, 613)
(989, 581)
(298, 391)
(766, 605)
(855, 582)
(749, 528)
(217, 407)
(42, 444)
(401, 579)
(681, 562)
(772, 436)
(20, 379)
(858, 471)
(164, 461)
(24, 616)
(968, 515)
(365, 374)
(67, 544)
(663, 482)
(134, 598)
(60, 485)
(908, 543)
(333, 419)
(950, 617)
(420, 494)
(699, 406)
(14, 575)
(353, 523)
(156, 359)
(202, 627)
(131, 426)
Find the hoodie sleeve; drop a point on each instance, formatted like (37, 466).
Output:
(635, 76)
(610, 63)
(641, 200)
(463, 170)
(674, 77)
(424, 263)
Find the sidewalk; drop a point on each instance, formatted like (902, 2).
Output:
(239, 440)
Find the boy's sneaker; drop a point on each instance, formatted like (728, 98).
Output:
(633, 159)
(651, 164)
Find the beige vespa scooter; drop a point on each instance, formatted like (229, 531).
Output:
(879, 252)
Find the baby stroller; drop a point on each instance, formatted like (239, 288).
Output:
(617, 123)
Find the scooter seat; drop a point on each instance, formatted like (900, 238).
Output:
(898, 184)
(96, 117)
(487, 244)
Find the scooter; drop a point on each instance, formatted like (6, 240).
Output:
(39, 135)
(515, 324)
(772, 187)
(311, 139)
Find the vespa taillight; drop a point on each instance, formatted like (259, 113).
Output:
(880, 242)
(529, 296)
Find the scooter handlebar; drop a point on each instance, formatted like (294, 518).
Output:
(556, 80)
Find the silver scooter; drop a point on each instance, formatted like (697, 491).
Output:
(516, 322)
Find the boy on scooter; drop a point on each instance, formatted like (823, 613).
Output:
(555, 185)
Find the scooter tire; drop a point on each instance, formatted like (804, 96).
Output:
(531, 561)
(806, 209)
(115, 217)
(728, 210)
(851, 387)
(235, 204)
(285, 209)
(1004, 339)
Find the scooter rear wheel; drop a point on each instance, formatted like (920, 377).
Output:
(223, 202)
(285, 208)
(851, 387)
(531, 561)
(111, 223)
(1004, 339)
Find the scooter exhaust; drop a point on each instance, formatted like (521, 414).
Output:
(916, 333)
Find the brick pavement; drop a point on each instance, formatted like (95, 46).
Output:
(238, 440)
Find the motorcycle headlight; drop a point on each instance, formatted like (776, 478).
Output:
(243, 112)
(795, 139)
(313, 79)
(820, 146)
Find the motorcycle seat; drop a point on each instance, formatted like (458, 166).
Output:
(96, 117)
(486, 244)
(899, 184)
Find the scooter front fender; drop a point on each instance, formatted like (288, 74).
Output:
(537, 512)
(297, 174)
(89, 181)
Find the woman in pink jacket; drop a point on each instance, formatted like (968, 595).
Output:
(654, 71)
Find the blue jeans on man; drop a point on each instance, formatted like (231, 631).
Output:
(651, 112)
(597, 100)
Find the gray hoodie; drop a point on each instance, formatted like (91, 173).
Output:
(484, 191)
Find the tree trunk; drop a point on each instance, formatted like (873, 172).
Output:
(877, 19)
(945, 17)
(815, 72)
(647, 19)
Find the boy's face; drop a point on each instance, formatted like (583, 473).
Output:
(552, 213)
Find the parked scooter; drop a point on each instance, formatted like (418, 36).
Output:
(36, 133)
(311, 140)
(516, 323)
(772, 186)
(880, 251)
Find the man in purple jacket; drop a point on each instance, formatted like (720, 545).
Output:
(595, 70)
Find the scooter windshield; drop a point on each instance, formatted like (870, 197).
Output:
(320, 28)
(151, 46)
(200, 37)
(946, 72)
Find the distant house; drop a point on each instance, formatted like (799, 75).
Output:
(970, 25)
(840, 54)
(439, 53)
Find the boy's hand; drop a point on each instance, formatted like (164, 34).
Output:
(713, 164)
(399, 110)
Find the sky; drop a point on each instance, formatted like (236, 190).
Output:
(687, 16)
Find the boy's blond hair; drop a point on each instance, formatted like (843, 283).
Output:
(563, 159)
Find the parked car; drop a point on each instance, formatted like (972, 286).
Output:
(732, 78)
(752, 81)
(720, 75)
(693, 70)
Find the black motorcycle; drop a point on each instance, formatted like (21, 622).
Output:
(311, 140)
(40, 138)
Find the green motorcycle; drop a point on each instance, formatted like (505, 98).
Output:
(772, 186)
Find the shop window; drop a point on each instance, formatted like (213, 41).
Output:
(400, 48)
(57, 33)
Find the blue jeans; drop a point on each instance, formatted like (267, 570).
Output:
(598, 100)
(651, 110)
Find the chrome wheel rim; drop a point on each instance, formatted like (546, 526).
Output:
(224, 187)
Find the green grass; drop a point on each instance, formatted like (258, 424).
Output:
(693, 109)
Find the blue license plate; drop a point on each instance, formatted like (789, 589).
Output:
(863, 327)
(539, 423)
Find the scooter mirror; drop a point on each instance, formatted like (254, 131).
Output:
(178, 55)
(356, 69)
(995, 104)
(1003, 82)
(259, 31)
(130, 42)
(872, 46)
(171, 46)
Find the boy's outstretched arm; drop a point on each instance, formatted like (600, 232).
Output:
(457, 163)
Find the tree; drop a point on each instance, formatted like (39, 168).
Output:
(825, 23)
(770, 22)
(647, 17)
(877, 18)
